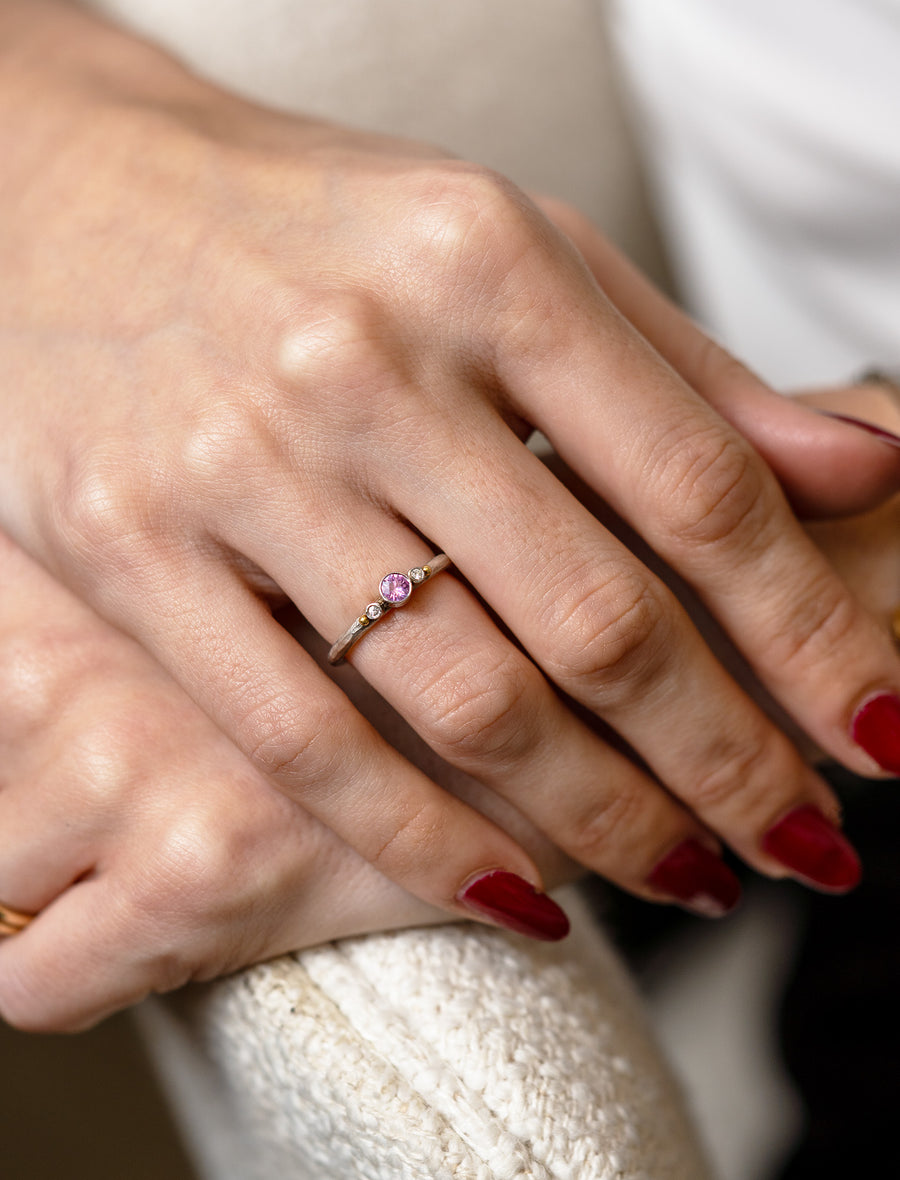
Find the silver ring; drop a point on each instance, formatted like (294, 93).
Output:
(394, 590)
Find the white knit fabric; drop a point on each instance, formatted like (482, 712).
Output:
(456, 1052)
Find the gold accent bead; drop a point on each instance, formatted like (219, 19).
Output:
(363, 621)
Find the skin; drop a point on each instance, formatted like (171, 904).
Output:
(249, 356)
(139, 822)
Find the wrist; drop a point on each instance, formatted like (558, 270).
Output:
(53, 48)
(62, 72)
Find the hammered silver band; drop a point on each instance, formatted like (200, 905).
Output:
(394, 590)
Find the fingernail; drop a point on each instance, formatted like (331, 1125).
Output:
(876, 727)
(510, 901)
(697, 879)
(869, 427)
(805, 842)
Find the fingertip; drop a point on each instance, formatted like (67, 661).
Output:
(513, 903)
(814, 850)
(697, 879)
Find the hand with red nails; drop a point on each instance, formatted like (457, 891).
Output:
(151, 852)
(138, 822)
(266, 356)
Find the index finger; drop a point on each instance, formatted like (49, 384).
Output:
(826, 468)
(699, 494)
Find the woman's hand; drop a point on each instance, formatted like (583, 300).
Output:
(153, 853)
(243, 351)
(150, 850)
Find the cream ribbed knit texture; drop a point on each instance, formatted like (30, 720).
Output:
(457, 1052)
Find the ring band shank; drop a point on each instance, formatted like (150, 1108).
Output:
(417, 576)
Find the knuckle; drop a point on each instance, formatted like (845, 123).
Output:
(349, 349)
(614, 634)
(478, 711)
(818, 624)
(606, 833)
(471, 217)
(38, 671)
(739, 770)
(224, 442)
(412, 833)
(342, 337)
(103, 764)
(191, 873)
(127, 741)
(103, 514)
(714, 489)
(299, 746)
(94, 766)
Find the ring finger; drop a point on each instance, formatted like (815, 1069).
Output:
(483, 706)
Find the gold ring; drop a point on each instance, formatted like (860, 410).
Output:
(11, 921)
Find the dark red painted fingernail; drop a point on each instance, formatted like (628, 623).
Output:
(697, 879)
(510, 901)
(810, 846)
(869, 427)
(876, 727)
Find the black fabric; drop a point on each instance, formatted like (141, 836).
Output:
(838, 1023)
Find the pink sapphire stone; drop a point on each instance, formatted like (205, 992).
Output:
(395, 588)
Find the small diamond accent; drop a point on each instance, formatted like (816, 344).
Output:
(417, 575)
(395, 588)
(373, 611)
